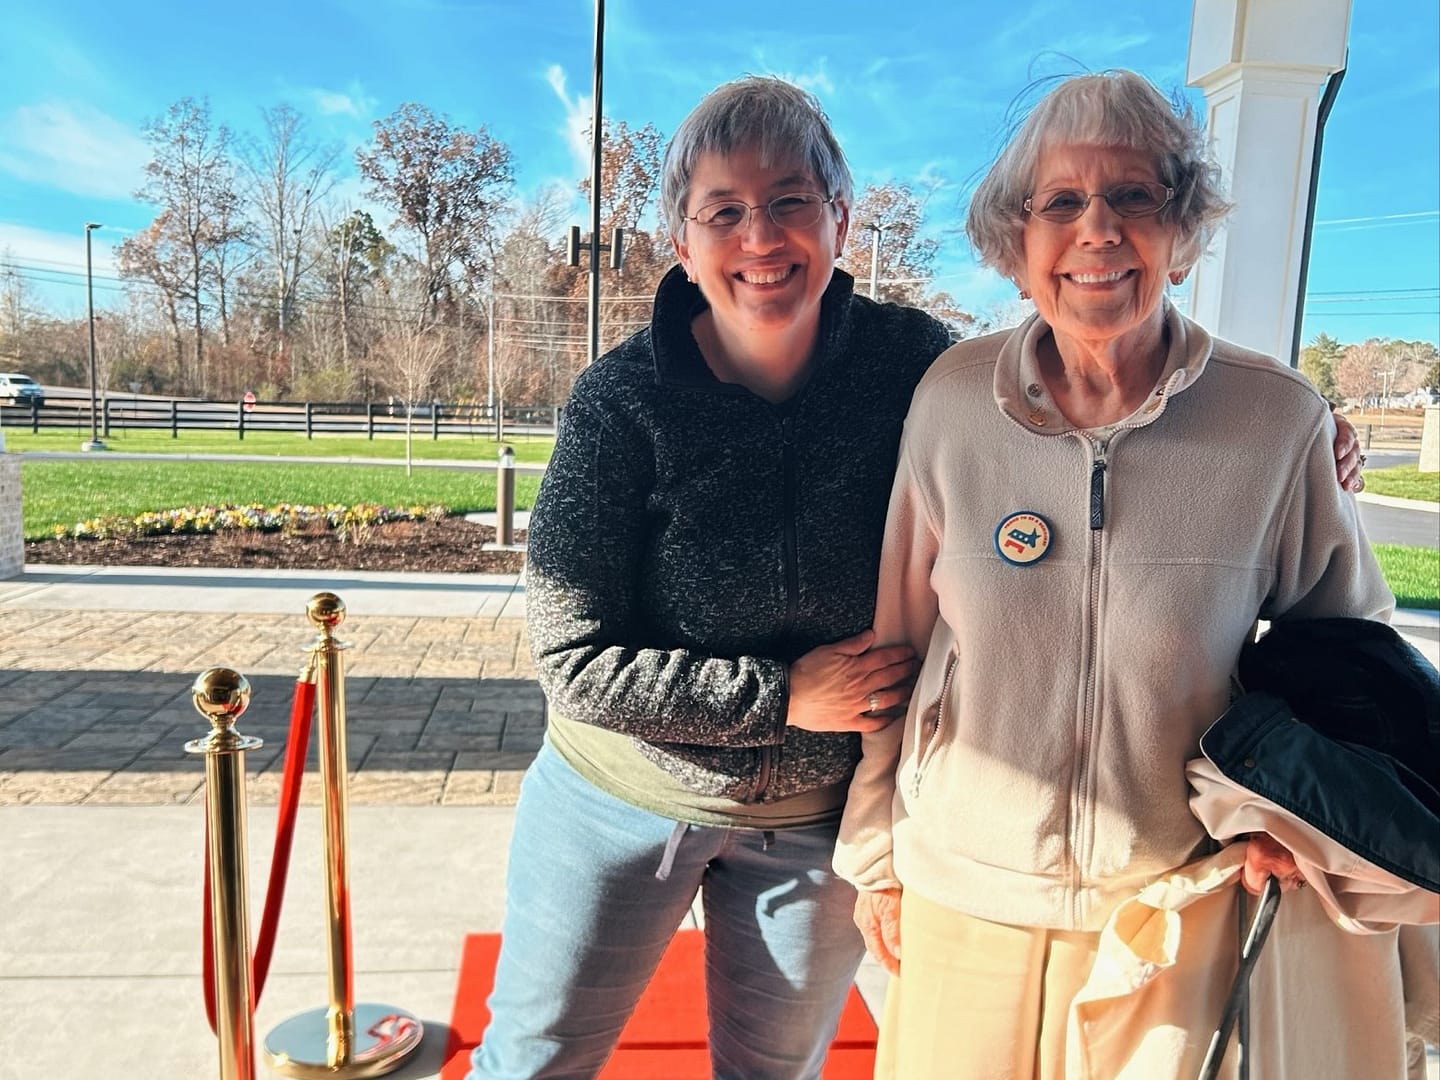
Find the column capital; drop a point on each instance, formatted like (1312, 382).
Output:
(1290, 35)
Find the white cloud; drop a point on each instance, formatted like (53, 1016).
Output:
(52, 266)
(351, 101)
(56, 253)
(76, 148)
(576, 130)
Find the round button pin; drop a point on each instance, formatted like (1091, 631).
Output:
(1023, 538)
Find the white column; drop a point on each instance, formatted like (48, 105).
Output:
(1262, 65)
(12, 525)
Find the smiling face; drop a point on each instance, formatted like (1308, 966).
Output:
(762, 278)
(1098, 279)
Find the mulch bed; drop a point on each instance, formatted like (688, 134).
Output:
(448, 545)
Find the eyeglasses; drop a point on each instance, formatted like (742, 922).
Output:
(1133, 199)
(796, 210)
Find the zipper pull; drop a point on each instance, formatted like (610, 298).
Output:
(1097, 488)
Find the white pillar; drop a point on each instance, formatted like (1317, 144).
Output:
(12, 525)
(1262, 65)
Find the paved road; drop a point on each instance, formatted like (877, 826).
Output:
(1394, 525)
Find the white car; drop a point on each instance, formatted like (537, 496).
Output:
(20, 389)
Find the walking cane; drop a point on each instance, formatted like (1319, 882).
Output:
(1249, 955)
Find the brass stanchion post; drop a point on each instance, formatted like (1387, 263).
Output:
(222, 696)
(343, 1039)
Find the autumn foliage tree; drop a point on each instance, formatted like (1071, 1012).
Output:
(448, 188)
(888, 229)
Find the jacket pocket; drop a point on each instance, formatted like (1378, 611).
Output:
(930, 725)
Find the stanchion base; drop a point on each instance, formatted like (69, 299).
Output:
(384, 1037)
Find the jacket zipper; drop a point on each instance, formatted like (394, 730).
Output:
(922, 759)
(1097, 485)
(1085, 733)
(770, 754)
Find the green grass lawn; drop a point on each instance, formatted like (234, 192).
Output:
(1403, 482)
(528, 448)
(1413, 574)
(64, 492)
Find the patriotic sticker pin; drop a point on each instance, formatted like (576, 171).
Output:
(1022, 538)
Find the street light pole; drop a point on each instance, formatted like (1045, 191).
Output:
(1385, 375)
(94, 443)
(875, 230)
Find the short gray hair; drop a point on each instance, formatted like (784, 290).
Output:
(1110, 108)
(777, 118)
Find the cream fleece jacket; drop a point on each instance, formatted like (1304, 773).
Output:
(1039, 776)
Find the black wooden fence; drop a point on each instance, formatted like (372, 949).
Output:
(432, 420)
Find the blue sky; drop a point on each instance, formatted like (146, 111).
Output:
(917, 92)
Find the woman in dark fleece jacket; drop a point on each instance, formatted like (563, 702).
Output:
(700, 588)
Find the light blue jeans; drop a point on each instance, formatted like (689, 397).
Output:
(587, 921)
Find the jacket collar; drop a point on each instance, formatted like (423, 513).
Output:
(1017, 374)
(677, 357)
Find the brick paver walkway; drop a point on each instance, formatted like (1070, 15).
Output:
(95, 706)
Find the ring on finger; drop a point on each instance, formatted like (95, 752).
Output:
(874, 702)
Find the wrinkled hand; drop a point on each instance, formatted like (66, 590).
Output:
(1349, 461)
(877, 914)
(848, 686)
(1264, 856)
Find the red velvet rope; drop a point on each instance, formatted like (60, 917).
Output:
(302, 712)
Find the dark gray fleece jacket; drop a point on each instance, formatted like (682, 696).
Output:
(691, 539)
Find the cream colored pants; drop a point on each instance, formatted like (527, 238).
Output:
(984, 1001)
(978, 999)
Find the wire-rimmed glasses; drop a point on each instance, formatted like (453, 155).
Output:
(1132, 199)
(793, 210)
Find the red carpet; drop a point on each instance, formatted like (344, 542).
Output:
(665, 1038)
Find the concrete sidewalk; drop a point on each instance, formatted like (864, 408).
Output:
(100, 868)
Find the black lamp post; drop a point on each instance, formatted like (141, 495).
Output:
(94, 443)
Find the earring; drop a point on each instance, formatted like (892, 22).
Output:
(1024, 294)
(1177, 277)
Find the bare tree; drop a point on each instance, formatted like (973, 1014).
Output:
(154, 256)
(1358, 372)
(353, 258)
(191, 180)
(413, 349)
(288, 174)
(14, 298)
(447, 186)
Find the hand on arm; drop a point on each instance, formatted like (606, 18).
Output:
(848, 686)
(1349, 461)
(877, 914)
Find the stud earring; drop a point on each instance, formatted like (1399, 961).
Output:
(1177, 277)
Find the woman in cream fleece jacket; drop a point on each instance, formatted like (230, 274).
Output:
(1089, 514)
